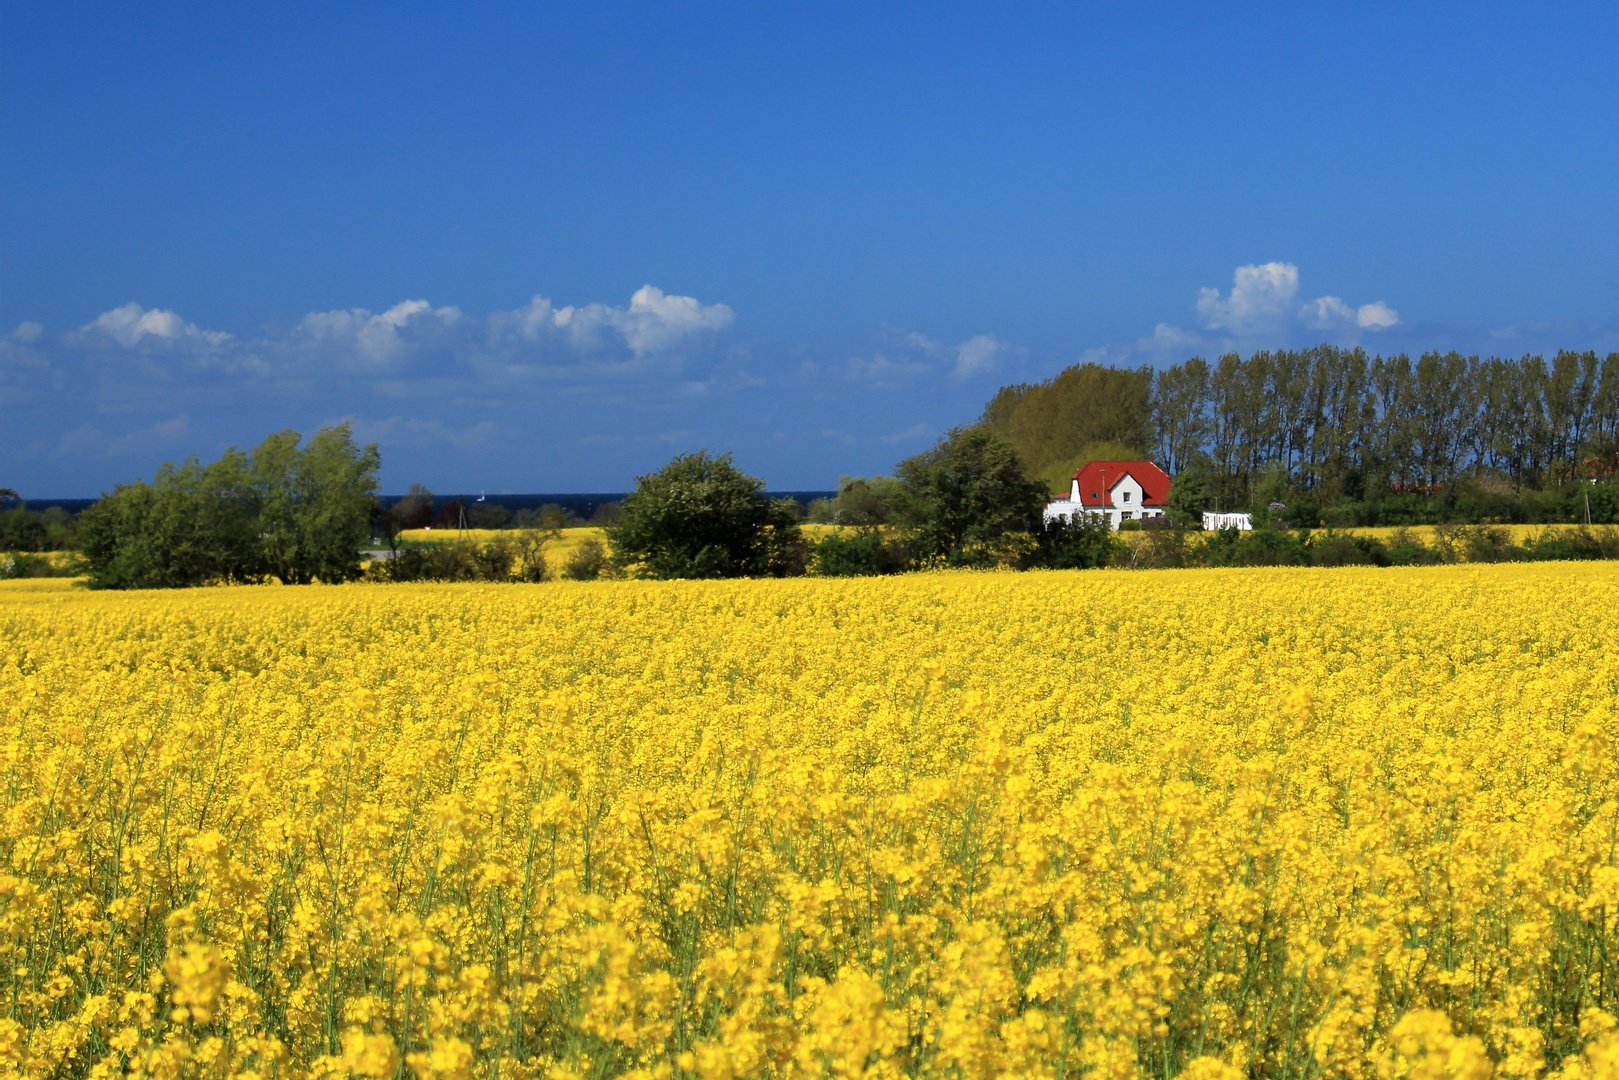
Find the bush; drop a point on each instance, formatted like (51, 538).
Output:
(1404, 549)
(551, 517)
(1260, 547)
(587, 562)
(1603, 499)
(862, 500)
(1339, 551)
(1574, 544)
(1476, 543)
(861, 554)
(702, 517)
(1160, 549)
(1081, 542)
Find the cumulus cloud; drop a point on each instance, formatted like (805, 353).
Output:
(1261, 311)
(359, 340)
(1260, 304)
(1376, 316)
(1261, 297)
(414, 340)
(27, 332)
(653, 322)
(131, 324)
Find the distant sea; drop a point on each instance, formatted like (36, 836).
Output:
(580, 505)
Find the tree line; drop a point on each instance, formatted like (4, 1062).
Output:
(1336, 428)
(1321, 436)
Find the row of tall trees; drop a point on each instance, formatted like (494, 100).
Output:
(1335, 423)
(1342, 423)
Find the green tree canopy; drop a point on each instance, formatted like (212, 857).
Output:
(1084, 412)
(968, 489)
(702, 517)
(297, 513)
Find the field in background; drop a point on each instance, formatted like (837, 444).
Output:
(1270, 822)
(557, 550)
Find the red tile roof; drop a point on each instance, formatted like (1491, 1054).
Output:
(1098, 478)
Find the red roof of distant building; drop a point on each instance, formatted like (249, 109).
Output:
(1098, 478)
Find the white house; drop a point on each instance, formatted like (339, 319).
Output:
(1116, 491)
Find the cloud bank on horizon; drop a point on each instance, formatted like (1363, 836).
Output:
(616, 385)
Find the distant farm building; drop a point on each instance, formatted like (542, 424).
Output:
(1115, 491)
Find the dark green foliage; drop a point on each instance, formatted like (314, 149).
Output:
(1191, 493)
(702, 517)
(501, 559)
(295, 513)
(487, 515)
(551, 516)
(192, 525)
(968, 491)
(1582, 543)
(1259, 547)
(22, 529)
(862, 553)
(587, 562)
(865, 500)
(1405, 549)
(1602, 501)
(313, 504)
(1083, 544)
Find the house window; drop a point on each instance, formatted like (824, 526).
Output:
(1126, 496)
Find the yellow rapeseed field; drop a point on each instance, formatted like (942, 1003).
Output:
(1271, 823)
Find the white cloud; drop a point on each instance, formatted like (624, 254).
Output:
(1331, 313)
(1376, 316)
(1260, 298)
(415, 346)
(978, 355)
(882, 368)
(653, 322)
(27, 332)
(1325, 313)
(82, 441)
(365, 341)
(1261, 311)
(1260, 308)
(130, 324)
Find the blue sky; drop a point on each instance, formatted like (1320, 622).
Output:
(544, 247)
